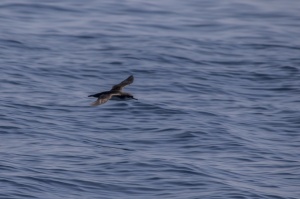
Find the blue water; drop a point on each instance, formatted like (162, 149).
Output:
(218, 114)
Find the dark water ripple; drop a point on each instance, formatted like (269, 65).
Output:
(218, 114)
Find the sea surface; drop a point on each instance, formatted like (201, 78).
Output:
(218, 109)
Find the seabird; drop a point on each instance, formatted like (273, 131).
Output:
(115, 93)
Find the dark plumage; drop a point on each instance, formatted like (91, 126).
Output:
(115, 93)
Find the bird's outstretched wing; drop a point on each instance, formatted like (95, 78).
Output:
(124, 83)
(102, 99)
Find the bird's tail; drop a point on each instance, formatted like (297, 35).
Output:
(91, 96)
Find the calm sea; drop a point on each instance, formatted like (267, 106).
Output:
(218, 109)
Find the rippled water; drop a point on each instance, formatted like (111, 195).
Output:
(218, 114)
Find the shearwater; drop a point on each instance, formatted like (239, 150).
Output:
(115, 93)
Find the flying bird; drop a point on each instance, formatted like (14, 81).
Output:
(115, 93)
